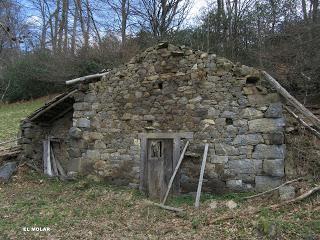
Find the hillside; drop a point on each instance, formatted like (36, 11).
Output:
(12, 114)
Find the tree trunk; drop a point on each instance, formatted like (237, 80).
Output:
(74, 28)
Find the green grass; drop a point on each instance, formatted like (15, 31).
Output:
(84, 209)
(189, 200)
(12, 114)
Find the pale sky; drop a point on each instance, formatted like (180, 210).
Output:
(198, 6)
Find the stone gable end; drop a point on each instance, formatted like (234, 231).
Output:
(169, 89)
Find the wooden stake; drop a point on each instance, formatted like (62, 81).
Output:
(174, 173)
(302, 109)
(203, 165)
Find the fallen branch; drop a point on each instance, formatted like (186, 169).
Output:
(273, 189)
(166, 207)
(311, 129)
(272, 207)
(297, 199)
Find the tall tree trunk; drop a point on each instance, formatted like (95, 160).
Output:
(124, 17)
(74, 28)
(304, 10)
(315, 5)
(66, 11)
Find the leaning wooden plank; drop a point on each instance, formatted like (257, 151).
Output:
(292, 100)
(203, 165)
(53, 161)
(311, 129)
(166, 207)
(174, 173)
(60, 169)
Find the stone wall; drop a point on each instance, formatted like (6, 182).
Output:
(32, 134)
(176, 89)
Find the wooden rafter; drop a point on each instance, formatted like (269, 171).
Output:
(50, 105)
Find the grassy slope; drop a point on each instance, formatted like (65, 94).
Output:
(12, 114)
(87, 210)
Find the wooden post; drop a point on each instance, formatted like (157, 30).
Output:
(45, 156)
(203, 165)
(302, 109)
(49, 169)
(174, 173)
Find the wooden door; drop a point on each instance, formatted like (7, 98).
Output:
(160, 166)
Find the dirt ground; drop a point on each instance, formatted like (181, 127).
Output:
(84, 209)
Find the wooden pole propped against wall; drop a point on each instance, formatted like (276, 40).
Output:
(294, 102)
(203, 165)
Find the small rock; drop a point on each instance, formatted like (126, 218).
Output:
(75, 132)
(231, 204)
(213, 205)
(134, 185)
(287, 193)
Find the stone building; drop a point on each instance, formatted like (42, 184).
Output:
(130, 126)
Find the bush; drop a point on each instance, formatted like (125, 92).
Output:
(26, 78)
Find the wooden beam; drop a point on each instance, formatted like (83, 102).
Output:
(187, 135)
(311, 129)
(203, 165)
(85, 78)
(52, 105)
(302, 109)
(174, 173)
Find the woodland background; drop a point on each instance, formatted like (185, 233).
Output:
(45, 42)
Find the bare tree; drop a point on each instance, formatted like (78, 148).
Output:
(122, 10)
(162, 16)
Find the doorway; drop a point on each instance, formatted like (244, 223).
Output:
(160, 153)
(159, 166)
